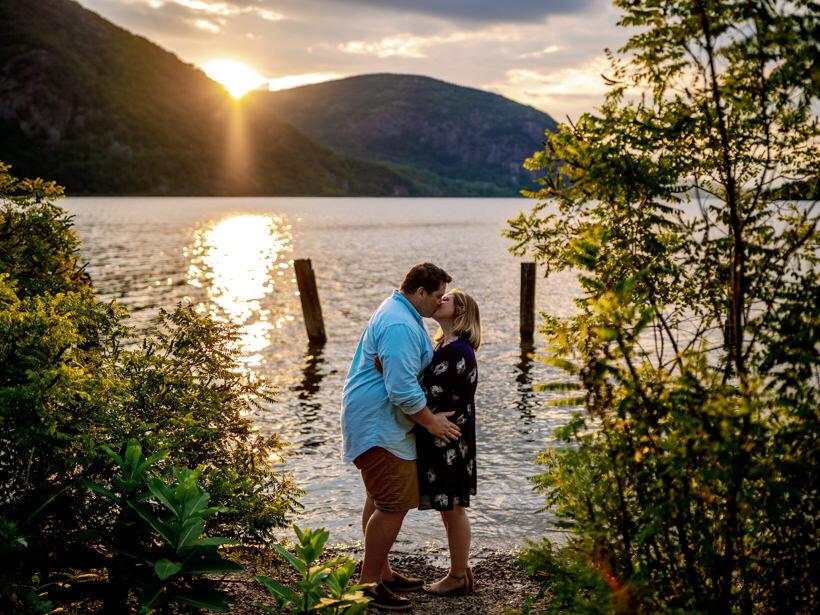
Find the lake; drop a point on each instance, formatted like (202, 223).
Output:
(233, 258)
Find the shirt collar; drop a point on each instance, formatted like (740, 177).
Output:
(399, 297)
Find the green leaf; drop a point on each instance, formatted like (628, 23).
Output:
(163, 493)
(294, 561)
(215, 541)
(561, 364)
(195, 504)
(208, 599)
(277, 589)
(190, 532)
(213, 565)
(150, 597)
(557, 386)
(567, 401)
(117, 459)
(166, 568)
(156, 523)
(100, 489)
(606, 333)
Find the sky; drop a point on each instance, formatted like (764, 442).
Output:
(544, 53)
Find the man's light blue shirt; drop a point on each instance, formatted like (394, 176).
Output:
(375, 406)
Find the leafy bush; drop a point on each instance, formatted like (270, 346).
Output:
(39, 246)
(322, 588)
(160, 555)
(691, 483)
(72, 380)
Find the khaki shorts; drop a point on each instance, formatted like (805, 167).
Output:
(391, 482)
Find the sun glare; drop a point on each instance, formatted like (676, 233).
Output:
(237, 78)
(237, 262)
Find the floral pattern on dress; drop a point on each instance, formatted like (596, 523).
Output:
(447, 470)
(440, 368)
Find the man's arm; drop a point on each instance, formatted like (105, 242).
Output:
(437, 424)
(399, 353)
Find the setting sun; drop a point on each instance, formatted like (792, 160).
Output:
(237, 78)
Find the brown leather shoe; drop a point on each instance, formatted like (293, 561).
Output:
(401, 584)
(383, 598)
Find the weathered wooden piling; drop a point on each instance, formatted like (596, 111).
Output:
(527, 322)
(309, 295)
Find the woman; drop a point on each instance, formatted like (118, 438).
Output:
(447, 471)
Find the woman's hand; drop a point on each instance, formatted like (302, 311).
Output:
(378, 364)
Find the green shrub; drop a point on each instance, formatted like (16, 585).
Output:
(323, 588)
(72, 380)
(690, 484)
(155, 549)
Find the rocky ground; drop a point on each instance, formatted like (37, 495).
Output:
(501, 586)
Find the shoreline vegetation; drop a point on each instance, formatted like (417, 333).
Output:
(501, 584)
(688, 480)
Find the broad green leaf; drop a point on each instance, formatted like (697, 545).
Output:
(213, 565)
(166, 568)
(155, 522)
(294, 561)
(191, 530)
(277, 589)
(163, 493)
(208, 599)
(216, 541)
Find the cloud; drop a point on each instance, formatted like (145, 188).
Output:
(222, 9)
(536, 60)
(539, 54)
(204, 24)
(482, 10)
(567, 91)
(412, 46)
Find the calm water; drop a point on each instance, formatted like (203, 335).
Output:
(232, 257)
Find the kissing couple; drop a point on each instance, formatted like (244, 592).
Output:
(408, 425)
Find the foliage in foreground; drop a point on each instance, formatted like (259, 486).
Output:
(323, 588)
(155, 549)
(69, 385)
(691, 484)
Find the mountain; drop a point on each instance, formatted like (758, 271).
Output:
(456, 140)
(103, 111)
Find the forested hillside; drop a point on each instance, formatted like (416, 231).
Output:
(457, 140)
(103, 111)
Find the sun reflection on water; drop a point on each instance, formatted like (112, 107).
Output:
(236, 262)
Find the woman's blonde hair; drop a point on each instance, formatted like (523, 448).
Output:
(467, 320)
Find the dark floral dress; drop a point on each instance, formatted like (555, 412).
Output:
(447, 471)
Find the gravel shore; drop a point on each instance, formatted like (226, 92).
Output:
(500, 585)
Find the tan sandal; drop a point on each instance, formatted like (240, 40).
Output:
(460, 590)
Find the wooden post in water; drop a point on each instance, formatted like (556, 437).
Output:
(311, 308)
(527, 326)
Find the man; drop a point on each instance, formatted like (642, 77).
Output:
(379, 411)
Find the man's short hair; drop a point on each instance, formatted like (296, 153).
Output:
(425, 275)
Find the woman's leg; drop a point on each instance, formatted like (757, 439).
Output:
(457, 525)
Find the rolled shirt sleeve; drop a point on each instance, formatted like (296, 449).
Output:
(399, 356)
(376, 407)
